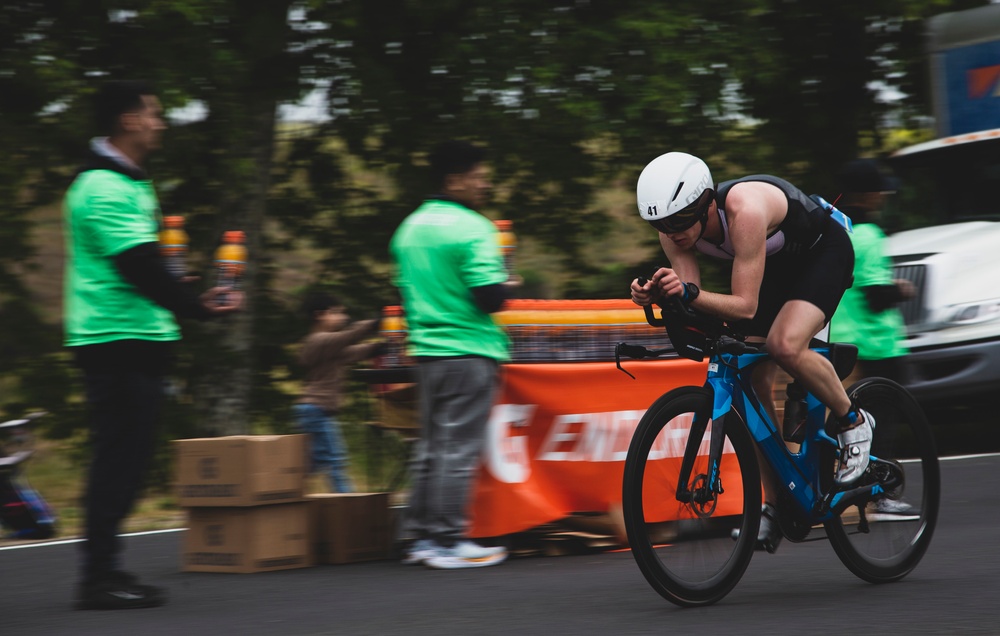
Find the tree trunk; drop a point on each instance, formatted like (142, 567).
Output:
(228, 393)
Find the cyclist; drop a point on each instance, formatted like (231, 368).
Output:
(791, 263)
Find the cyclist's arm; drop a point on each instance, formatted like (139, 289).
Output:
(748, 229)
(748, 218)
(682, 261)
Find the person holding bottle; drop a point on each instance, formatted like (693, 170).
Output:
(451, 277)
(333, 343)
(120, 309)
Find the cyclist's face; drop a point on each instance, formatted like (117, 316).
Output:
(685, 226)
(687, 237)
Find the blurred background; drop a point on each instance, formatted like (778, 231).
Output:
(305, 124)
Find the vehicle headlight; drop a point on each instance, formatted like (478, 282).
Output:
(973, 313)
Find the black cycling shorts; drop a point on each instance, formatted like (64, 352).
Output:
(819, 276)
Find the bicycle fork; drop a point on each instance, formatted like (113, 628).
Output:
(702, 491)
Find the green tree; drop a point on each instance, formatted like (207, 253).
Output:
(570, 96)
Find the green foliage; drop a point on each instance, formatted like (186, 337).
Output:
(571, 97)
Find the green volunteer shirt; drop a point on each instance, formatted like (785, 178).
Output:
(878, 335)
(441, 251)
(106, 213)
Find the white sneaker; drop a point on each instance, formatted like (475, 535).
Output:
(855, 449)
(421, 550)
(892, 510)
(466, 554)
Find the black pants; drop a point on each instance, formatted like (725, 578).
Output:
(124, 383)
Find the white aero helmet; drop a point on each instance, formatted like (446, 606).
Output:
(674, 191)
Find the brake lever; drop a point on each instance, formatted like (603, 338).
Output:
(636, 352)
(618, 357)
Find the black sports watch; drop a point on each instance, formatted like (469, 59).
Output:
(691, 292)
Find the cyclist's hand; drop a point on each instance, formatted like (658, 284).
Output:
(667, 283)
(642, 295)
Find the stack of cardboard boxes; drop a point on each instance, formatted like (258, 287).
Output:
(248, 511)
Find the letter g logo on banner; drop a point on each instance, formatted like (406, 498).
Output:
(506, 451)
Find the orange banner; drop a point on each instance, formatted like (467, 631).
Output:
(558, 437)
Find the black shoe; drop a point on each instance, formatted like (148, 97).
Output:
(118, 590)
(769, 536)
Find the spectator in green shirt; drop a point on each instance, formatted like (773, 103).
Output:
(120, 303)
(451, 277)
(867, 316)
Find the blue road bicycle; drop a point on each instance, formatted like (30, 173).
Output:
(692, 491)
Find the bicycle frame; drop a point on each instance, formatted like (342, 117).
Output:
(693, 562)
(798, 473)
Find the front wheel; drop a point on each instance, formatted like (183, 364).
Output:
(900, 523)
(692, 550)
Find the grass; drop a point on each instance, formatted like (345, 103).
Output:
(57, 473)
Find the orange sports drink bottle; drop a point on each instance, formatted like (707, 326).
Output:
(508, 243)
(174, 245)
(393, 329)
(230, 261)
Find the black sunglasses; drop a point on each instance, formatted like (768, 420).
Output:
(684, 219)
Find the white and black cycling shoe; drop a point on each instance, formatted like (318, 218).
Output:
(855, 449)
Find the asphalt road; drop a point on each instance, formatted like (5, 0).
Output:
(803, 588)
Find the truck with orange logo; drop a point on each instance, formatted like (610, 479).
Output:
(953, 322)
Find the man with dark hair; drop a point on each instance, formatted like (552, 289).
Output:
(120, 302)
(332, 344)
(451, 277)
(116, 98)
(453, 157)
(867, 315)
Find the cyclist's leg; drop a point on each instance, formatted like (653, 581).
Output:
(824, 272)
(788, 343)
(809, 286)
(902, 517)
(763, 386)
(770, 301)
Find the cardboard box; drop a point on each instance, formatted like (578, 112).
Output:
(398, 409)
(352, 527)
(240, 470)
(244, 540)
